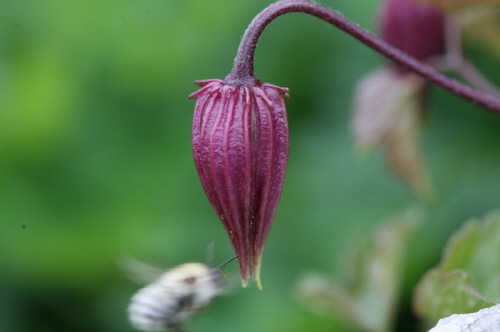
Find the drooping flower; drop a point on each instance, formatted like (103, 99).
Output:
(390, 102)
(418, 29)
(240, 148)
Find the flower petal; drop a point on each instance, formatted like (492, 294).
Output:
(240, 148)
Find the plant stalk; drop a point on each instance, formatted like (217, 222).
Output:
(243, 69)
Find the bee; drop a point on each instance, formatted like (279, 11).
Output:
(173, 296)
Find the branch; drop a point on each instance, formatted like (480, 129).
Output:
(243, 69)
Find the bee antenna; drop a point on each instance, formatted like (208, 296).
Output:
(229, 260)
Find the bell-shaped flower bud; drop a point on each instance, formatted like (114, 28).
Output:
(416, 28)
(240, 148)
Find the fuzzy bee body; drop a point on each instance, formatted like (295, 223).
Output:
(174, 296)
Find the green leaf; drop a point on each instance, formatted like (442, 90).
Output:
(468, 277)
(374, 271)
(444, 294)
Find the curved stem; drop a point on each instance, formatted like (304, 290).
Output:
(242, 73)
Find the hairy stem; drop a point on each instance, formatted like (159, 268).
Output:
(243, 70)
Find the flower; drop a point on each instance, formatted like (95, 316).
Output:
(390, 102)
(240, 148)
(418, 29)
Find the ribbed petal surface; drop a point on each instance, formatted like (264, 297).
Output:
(240, 148)
(416, 28)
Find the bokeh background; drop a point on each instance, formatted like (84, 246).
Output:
(96, 165)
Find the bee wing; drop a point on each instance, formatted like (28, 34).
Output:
(210, 254)
(139, 272)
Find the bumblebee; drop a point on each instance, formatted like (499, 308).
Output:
(168, 301)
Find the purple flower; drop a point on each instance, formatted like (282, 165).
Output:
(240, 148)
(415, 28)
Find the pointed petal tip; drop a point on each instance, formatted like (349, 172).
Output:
(256, 279)
(256, 273)
(251, 271)
(282, 91)
(203, 83)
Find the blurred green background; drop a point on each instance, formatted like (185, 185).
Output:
(96, 165)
